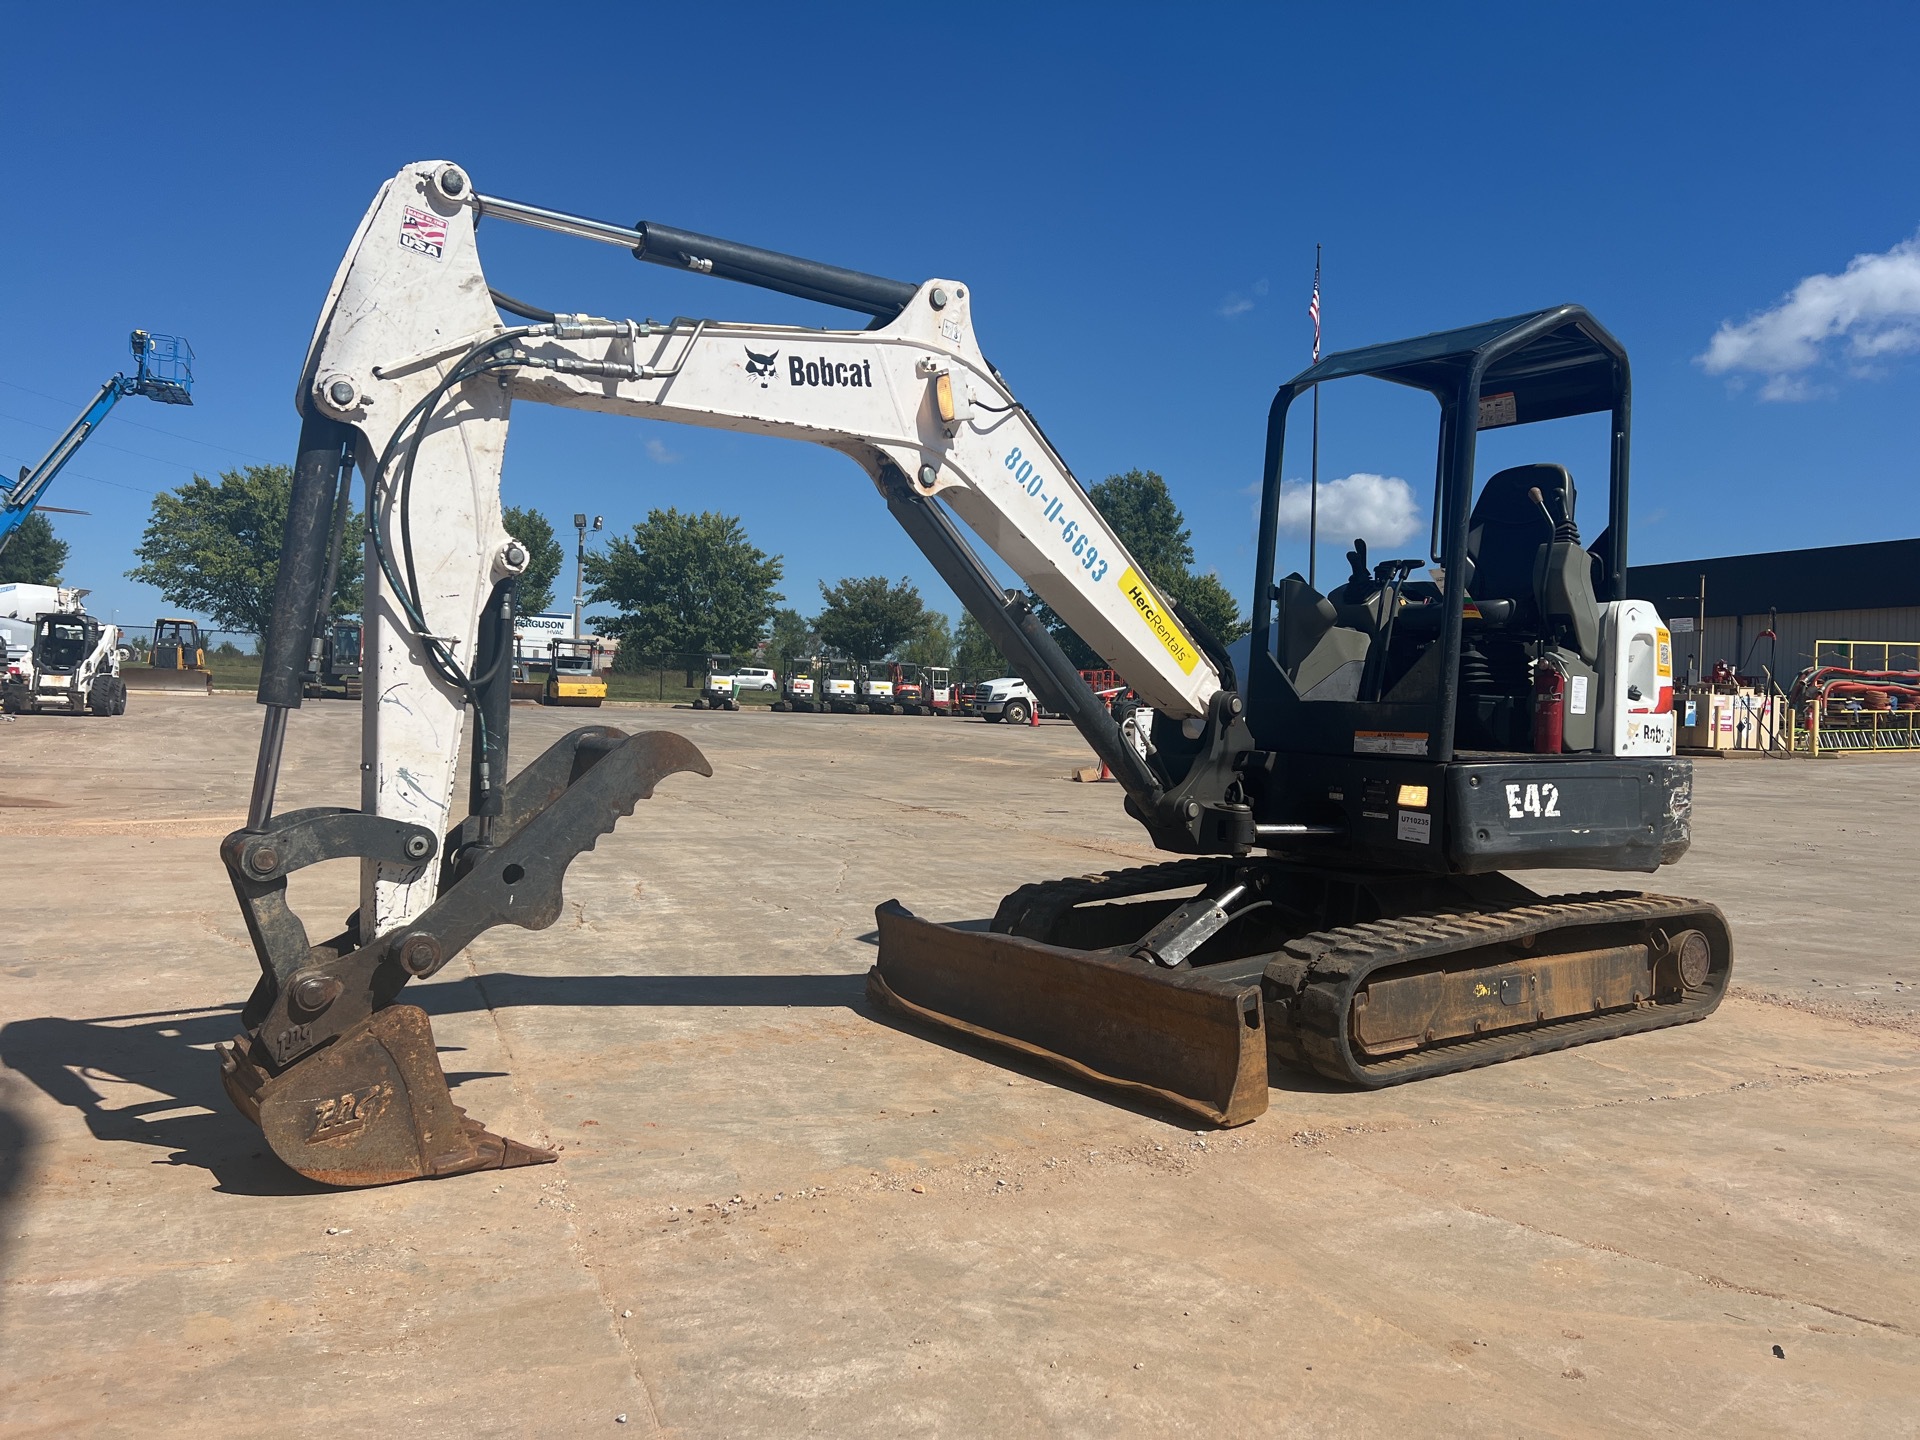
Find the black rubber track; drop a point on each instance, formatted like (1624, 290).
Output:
(1309, 984)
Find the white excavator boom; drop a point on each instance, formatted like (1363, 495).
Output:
(913, 402)
(410, 377)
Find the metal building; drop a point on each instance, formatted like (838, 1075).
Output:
(1838, 592)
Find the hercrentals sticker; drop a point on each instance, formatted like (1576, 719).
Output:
(1159, 621)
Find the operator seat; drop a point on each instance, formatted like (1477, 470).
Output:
(1320, 654)
(1527, 557)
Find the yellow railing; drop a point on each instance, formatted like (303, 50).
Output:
(1844, 725)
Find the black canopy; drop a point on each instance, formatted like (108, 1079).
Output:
(1553, 363)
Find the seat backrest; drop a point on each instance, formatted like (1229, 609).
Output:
(1304, 615)
(1507, 531)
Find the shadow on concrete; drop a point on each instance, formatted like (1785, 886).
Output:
(505, 990)
(16, 1152)
(81, 1063)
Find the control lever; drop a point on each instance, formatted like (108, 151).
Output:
(1391, 576)
(1357, 559)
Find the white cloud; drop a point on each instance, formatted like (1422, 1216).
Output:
(1379, 508)
(1238, 304)
(658, 452)
(1873, 306)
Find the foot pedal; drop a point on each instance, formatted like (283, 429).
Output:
(372, 1108)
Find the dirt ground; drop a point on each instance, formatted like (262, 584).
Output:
(776, 1212)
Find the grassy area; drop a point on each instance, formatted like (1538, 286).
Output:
(235, 672)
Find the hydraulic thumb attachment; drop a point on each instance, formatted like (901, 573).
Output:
(345, 1083)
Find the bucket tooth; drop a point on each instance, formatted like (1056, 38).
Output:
(372, 1108)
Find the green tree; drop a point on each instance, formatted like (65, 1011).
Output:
(932, 644)
(1139, 507)
(865, 618)
(215, 548)
(1208, 600)
(535, 531)
(789, 640)
(685, 584)
(35, 555)
(975, 657)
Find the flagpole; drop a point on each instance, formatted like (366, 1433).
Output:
(1313, 483)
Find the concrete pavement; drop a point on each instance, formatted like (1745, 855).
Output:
(775, 1211)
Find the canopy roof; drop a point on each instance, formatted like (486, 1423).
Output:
(1553, 362)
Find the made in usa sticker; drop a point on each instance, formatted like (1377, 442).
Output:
(423, 232)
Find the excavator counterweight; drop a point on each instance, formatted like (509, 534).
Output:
(1344, 796)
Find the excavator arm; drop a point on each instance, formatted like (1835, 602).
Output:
(411, 378)
(412, 369)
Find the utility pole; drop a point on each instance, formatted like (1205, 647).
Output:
(580, 565)
(1700, 635)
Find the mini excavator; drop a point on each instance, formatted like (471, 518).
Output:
(1345, 808)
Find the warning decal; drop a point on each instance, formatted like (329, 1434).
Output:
(1160, 621)
(1498, 410)
(1389, 742)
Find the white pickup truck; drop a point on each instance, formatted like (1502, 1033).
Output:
(1007, 698)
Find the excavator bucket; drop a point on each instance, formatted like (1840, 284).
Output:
(345, 1084)
(372, 1108)
(1179, 1038)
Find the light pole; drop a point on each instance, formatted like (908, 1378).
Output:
(580, 565)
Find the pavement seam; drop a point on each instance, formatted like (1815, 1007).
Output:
(1716, 1282)
(574, 1242)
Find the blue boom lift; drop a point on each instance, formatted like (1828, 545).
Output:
(164, 372)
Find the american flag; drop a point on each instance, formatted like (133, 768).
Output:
(1313, 305)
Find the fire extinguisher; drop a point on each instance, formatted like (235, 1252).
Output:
(1549, 706)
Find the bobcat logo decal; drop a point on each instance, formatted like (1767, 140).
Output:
(761, 365)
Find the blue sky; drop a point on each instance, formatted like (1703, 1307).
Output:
(1133, 193)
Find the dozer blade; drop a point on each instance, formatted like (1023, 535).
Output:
(184, 682)
(1178, 1037)
(372, 1108)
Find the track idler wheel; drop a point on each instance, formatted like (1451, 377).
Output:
(373, 1108)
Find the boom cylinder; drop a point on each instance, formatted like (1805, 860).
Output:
(304, 544)
(320, 467)
(493, 676)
